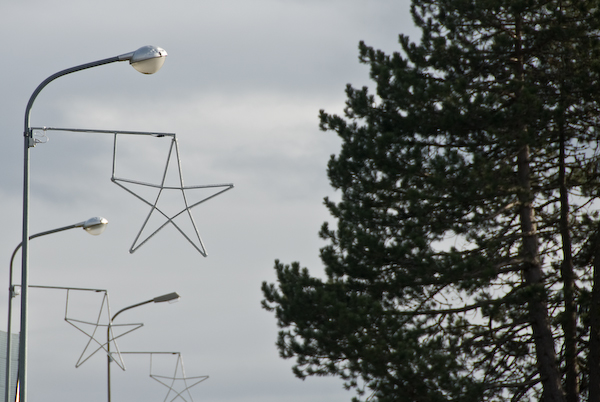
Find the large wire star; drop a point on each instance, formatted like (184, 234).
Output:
(194, 238)
(178, 381)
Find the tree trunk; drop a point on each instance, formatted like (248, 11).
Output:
(533, 276)
(569, 321)
(594, 354)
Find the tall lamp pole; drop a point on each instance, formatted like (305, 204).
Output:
(94, 226)
(160, 299)
(147, 60)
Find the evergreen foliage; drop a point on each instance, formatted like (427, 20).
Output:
(465, 263)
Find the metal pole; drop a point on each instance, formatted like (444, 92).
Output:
(159, 299)
(109, 358)
(22, 381)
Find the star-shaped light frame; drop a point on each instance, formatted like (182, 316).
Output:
(178, 381)
(178, 377)
(90, 328)
(194, 239)
(100, 345)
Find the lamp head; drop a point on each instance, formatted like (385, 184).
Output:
(95, 225)
(171, 297)
(148, 59)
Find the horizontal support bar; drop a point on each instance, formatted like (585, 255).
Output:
(94, 131)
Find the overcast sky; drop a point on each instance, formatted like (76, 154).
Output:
(242, 87)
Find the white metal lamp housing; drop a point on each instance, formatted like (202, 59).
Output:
(95, 225)
(148, 59)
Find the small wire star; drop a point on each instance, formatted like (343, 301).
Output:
(194, 239)
(180, 379)
(90, 329)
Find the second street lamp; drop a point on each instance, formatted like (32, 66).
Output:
(170, 297)
(93, 226)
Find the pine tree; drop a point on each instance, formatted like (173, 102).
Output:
(464, 264)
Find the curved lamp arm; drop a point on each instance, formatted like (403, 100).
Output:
(93, 226)
(171, 297)
(147, 60)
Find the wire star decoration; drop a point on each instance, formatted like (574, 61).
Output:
(99, 344)
(90, 328)
(127, 184)
(178, 380)
(153, 202)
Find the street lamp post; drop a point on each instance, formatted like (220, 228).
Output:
(147, 60)
(160, 299)
(94, 226)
